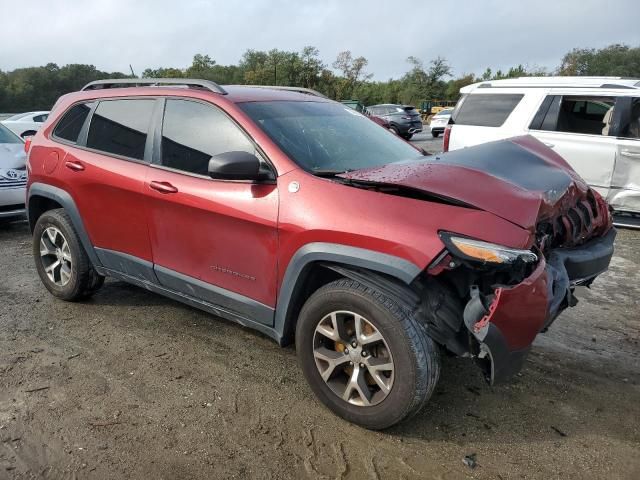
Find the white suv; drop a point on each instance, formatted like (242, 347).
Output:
(593, 122)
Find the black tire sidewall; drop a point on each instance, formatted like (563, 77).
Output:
(73, 288)
(399, 403)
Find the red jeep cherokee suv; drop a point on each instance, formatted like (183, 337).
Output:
(292, 214)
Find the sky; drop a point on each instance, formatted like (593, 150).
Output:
(471, 35)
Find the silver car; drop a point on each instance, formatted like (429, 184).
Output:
(13, 175)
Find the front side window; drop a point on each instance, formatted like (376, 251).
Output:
(120, 127)
(68, 128)
(193, 132)
(486, 109)
(630, 125)
(328, 137)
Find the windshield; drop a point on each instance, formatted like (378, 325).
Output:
(328, 137)
(7, 136)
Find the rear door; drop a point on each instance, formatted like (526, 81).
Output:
(576, 127)
(104, 169)
(212, 239)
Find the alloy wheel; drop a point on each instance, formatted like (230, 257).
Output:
(55, 256)
(353, 358)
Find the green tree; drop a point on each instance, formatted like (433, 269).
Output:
(353, 73)
(614, 60)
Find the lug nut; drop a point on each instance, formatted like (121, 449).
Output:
(354, 344)
(351, 363)
(364, 353)
(346, 350)
(362, 365)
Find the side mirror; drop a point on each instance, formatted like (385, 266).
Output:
(235, 166)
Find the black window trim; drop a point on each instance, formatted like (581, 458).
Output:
(157, 124)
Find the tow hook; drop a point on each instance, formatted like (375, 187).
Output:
(479, 310)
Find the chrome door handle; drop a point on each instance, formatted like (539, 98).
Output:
(163, 187)
(75, 166)
(629, 153)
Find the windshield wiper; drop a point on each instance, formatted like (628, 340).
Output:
(329, 173)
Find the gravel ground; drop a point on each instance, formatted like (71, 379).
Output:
(132, 385)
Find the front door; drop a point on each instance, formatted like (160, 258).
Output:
(625, 185)
(211, 239)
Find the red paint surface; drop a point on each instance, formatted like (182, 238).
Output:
(521, 311)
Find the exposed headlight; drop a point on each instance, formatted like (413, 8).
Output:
(476, 250)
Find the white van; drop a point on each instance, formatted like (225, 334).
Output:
(593, 122)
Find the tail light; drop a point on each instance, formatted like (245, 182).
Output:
(27, 145)
(447, 136)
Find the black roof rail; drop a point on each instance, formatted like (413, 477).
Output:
(308, 91)
(155, 82)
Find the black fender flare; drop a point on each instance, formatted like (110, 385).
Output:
(354, 259)
(63, 198)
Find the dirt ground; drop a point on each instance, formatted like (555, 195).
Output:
(132, 385)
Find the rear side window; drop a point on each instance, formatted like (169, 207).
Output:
(40, 118)
(120, 127)
(486, 110)
(192, 133)
(575, 114)
(69, 127)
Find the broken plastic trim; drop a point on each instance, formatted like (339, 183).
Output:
(479, 310)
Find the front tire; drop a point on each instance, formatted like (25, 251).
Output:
(366, 358)
(61, 261)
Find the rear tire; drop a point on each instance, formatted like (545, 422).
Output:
(394, 130)
(61, 261)
(411, 357)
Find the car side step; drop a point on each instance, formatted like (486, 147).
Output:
(626, 221)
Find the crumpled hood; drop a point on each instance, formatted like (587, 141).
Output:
(12, 155)
(518, 179)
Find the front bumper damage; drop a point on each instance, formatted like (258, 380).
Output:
(506, 322)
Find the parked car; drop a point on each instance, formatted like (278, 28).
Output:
(13, 175)
(288, 213)
(360, 108)
(404, 120)
(25, 124)
(592, 122)
(439, 121)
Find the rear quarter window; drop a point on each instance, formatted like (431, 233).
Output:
(68, 128)
(486, 110)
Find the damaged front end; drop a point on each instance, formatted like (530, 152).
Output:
(508, 296)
